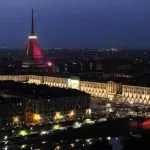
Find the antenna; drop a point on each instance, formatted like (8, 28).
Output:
(32, 25)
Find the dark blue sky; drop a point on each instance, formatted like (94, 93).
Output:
(77, 23)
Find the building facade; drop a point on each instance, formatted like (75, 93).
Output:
(105, 90)
(55, 109)
(40, 103)
(11, 110)
(136, 94)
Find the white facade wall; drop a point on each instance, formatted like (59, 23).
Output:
(136, 94)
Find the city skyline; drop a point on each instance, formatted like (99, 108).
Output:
(90, 24)
(75, 74)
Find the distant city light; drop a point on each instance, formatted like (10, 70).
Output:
(56, 127)
(89, 121)
(23, 146)
(88, 111)
(71, 114)
(16, 119)
(58, 116)
(23, 133)
(5, 137)
(108, 105)
(77, 125)
(49, 64)
(6, 148)
(44, 132)
(37, 117)
(57, 147)
(72, 145)
(109, 138)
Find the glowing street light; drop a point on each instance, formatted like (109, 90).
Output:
(89, 121)
(23, 133)
(58, 116)
(23, 146)
(5, 137)
(71, 114)
(56, 127)
(37, 117)
(77, 125)
(16, 119)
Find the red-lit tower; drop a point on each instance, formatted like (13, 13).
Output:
(33, 56)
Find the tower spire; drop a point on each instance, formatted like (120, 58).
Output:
(33, 56)
(32, 26)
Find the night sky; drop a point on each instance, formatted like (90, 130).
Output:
(77, 23)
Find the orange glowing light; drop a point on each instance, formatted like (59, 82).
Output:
(72, 113)
(58, 116)
(16, 119)
(37, 117)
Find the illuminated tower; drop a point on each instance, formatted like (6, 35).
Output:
(33, 56)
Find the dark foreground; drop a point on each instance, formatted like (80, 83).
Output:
(128, 132)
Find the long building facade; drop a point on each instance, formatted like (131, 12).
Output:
(106, 90)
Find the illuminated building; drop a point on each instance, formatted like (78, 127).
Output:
(58, 107)
(33, 56)
(107, 90)
(11, 109)
(42, 103)
(136, 94)
(33, 118)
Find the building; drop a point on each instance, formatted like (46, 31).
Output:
(58, 108)
(11, 107)
(136, 94)
(40, 103)
(110, 90)
(33, 56)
